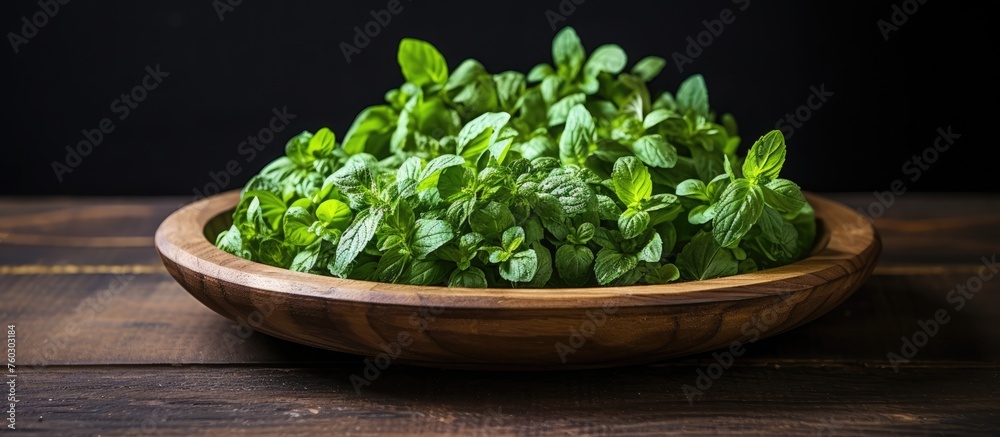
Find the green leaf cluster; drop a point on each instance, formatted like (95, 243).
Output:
(572, 175)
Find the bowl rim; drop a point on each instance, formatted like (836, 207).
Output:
(182, 245)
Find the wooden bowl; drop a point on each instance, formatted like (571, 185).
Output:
(527, 329)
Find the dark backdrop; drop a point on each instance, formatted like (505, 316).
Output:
(226, 75)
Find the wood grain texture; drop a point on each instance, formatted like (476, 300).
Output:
(939, 228)
(517, 328)
(650, 400)
(91, 231)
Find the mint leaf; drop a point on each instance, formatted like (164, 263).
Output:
(537, 147)
(611, 265)
(701, 214)
(334, 213)
(655, 151)
(584, 233)
(559, 112)
(540, 72)
(631, 181)
(780, 247)
(355, 238)
(608, 58)
(473, 277)
(232, 241)
(765, 159)
(408, 172)
(664, 274)
(273, 252)
(477, 135)
(370, 130)
(512, 238)
(296, 227)
(692, 95)
(574, 144)
(716, 186)
(491, 220)
(653, 250)
(429, 235)
(421, 63)
(543, 267)
(607, 208)
(633, 222)
(573, 194)
(739, 209)
(568, 53)
(573, 263)
(321, 144)
(805, 225)
(428, 177)
(771, 225)
(255, 223)
(694, 189)
(521, 267)
(784, 196)
(704, 258)
(656, 117)
(305, 260)
(466, 73)
(297, 149)
(353, 177)
(425, 272)
(510, 87)
(392, 265)
(649, 67)
(453, 183)
(272, 208)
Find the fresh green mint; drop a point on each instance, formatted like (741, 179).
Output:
(573, 175)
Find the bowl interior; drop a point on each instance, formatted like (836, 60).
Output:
(217, 224)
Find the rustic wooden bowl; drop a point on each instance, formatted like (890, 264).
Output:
(516, 328)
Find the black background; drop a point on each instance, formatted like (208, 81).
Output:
(225, 76)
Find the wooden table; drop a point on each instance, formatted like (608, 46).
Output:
(108, 343)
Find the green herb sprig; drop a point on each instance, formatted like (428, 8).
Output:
(572, 175)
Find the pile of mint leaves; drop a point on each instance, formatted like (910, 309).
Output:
(572, 175)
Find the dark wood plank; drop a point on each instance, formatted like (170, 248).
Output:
(86, 231)
(873, 323)
(84, 217)
(134, 319)
(36, 256)
(922, 228)
(648, 400)
(923, 206)
(153, 321)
